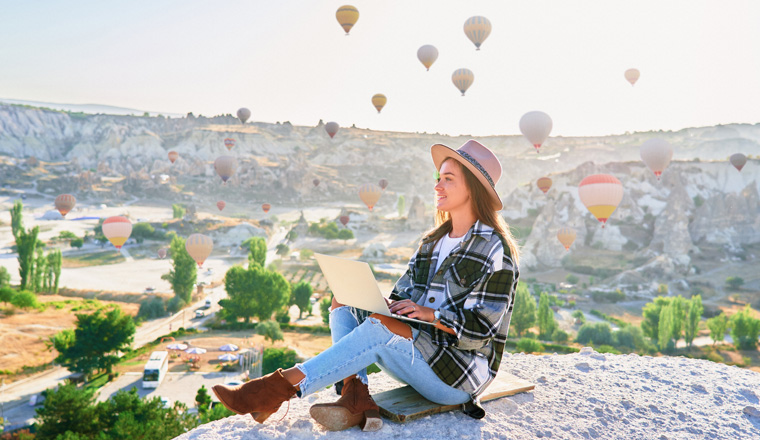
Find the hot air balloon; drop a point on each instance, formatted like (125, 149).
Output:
(632, 75)
(243, 114)
(266, 207)
(331, 128)
(117, 230)
(462, 79)
(162, 253)
(347, 16)
(383, 184)
(379, 100)
(738, 160)
(544, 184)
(566, 236)
(344, 219)
(225, 166)
(536, 126)
(221, 204)
(656, 154)
(199, 247)
(173, 155)
(370, 194)
(601, 193)
(229, 143)
(477, 30)
(315, 182)
(427, 55)
(65, 203)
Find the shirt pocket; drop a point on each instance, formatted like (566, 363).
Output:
(461, 279)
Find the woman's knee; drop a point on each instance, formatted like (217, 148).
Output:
(335, 304)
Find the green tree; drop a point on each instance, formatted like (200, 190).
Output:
(77, 243)
(40, 270)
(524, 310)
(95, 341)
(66, 235)
(528, 345)
(24, 299)
(401, 205)
(178, 211)
(718, 326)
(26, 245)
(579, 316)
(680, 309)
(141, 231)
(324, 309)
(560, 336)
(257, 250)
(302, 297)
(572, 279)
(5, 277)
(745, 329)
(202, 400)
(54, 262)
(270, 330)
(305, 254)
(6, 294)
(651, 313)
(345, 234)
(598, 333)
(152, 308)
(665, 329)
(275, 358)
(126, 416)
(67, 408)
(662, 289)
(291, 236)
(734, 283)
(694, 315)
(282, 250)
(184, 272)
(546, 322)
(17, 218)
(254, 292)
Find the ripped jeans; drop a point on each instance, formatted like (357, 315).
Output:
(356, 346)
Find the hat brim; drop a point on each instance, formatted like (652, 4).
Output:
(441, 152)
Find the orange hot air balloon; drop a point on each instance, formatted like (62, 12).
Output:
(243, 114)
(347, 17)
(601, 193)
(632, 75)
(315, 182)
(65, 203)
(229, 143)
(266, 207)
(331, 128)
(383, 184)
(220, 204)
(544, 184)
(370, 194)
(117, 230)
(199, 247)
(656, 154)
(173, 155)
(566, 236)
(162, 253)
(379, 100)
(738, 160)
(225, 166)
(344, 219)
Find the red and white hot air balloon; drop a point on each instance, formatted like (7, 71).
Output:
(601, 193)
(332, 128)
(173, 155)
(117, 230)
(656, 154)
(536, 126)
(65, 203)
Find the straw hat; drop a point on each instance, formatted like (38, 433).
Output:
(479, 160)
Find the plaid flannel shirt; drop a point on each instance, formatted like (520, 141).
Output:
(482, 324)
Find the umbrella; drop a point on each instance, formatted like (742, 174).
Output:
(228, 357)
(177, 346)
(195, 350)
(228, 347)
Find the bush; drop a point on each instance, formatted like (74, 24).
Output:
(606, 349)
(527, 345)
(283, 315)
(305, 254)
(745, 329)
(597, 334)
(734, 283)
(270, 330)
(613, 297)
(714, 356)
(152, 308)
(560, 336)
(629, 337)
(6, 294)
(178, 211)
(67, 235)
(25, 299)
(5, 277)
(175, 305)
(77, 243)
(579, 316)
(324, 308)
(572, 279)
(345, 234)
(275, 358)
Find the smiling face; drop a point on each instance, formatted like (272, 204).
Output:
(451, 192)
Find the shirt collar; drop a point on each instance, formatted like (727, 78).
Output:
(480, 229)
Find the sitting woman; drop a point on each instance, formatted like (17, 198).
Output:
(461, 280)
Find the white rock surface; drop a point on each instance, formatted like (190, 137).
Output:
(578, 396)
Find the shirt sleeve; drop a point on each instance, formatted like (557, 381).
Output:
(405, 285)
(478, 323)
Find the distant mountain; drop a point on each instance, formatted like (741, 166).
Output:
(86, 108)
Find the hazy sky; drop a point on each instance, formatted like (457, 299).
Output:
(289, 60)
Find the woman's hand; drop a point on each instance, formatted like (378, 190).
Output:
(410, 309)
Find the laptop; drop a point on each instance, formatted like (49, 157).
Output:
(353, 284)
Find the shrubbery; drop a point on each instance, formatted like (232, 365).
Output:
(275, 358)
(527, 345)
(152, 308)
(595, 333)
(612, 297)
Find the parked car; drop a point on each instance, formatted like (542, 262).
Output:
(207, 304)
(150, 289)
(200, 313)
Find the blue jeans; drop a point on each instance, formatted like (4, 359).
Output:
(356, 346)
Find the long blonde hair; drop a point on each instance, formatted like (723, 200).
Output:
(483, 212)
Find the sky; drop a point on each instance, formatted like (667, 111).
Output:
(289, 60)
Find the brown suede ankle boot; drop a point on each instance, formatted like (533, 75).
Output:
(355, 407)
(260, 397)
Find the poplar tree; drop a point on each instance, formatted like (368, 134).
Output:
(691, 326)
(664, 338)
(26, 244)
(523, 311)
(184, 272)
(40, 271)
(546, 322)
(17, 218)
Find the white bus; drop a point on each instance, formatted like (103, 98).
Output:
(155, 369)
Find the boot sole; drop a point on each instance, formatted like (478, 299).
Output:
(372, 421)
(335, 418)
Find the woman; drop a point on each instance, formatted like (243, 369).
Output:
(462, 280)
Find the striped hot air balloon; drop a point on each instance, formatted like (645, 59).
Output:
(656, 154)
(427, 55)
(738, 160)
(566, 236)
(225, 166)
(332, 128)
(173, 155)
(477, 30)
(632, 75)
(117, 230)
(544, 184)
(601, 193)
(199, 247)
(462, 79)
(347, 17)
(65, 203)
(379, 100)
(266, 207)
(229, 143)
(370, 194)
